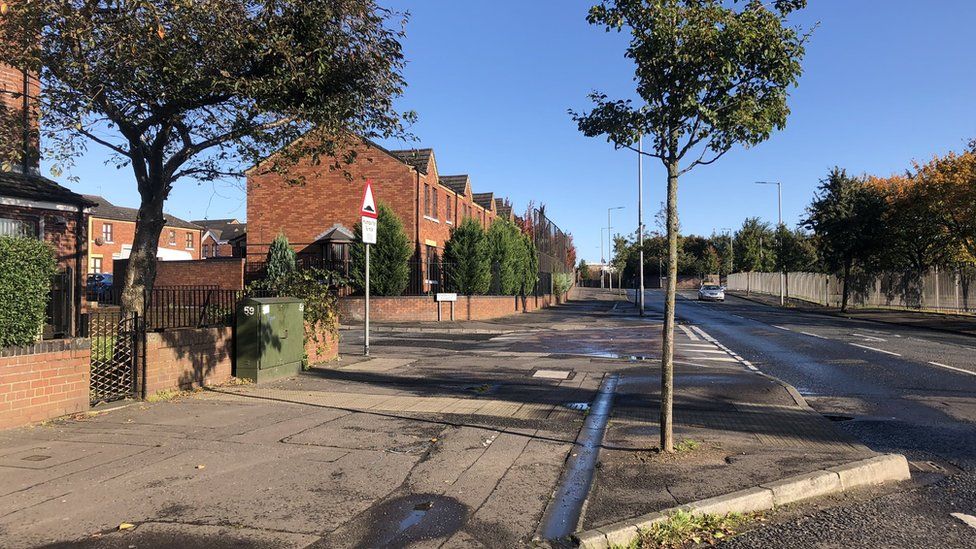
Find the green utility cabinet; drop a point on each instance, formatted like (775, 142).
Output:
(270, 340)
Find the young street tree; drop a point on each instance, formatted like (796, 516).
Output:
(205, 89)
(710, 75)
(389, 257)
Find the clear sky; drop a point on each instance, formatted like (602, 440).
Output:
(884, 83)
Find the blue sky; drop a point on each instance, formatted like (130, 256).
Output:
(884, 83)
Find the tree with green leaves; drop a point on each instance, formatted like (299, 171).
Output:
(205, 89)
(281, 259)
(507, 255)
(847, 217)
(389, 267)
(794, 252)
(710, 75)
(529, 273)
(468, 259)
(755, 246)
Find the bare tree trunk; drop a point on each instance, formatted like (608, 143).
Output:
(140, 275)
(667, 345)
(846, 291)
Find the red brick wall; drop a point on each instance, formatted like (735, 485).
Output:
(226, 272)
(424, 308)
(12, 82)
(43, 381)
(184, 359)
(124, 232)
(327, 351)
(60, 229)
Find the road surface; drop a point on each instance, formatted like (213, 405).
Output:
(897, 389)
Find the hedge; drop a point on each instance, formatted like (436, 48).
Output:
(26, 269)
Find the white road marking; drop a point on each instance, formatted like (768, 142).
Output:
(688, 332)
(940, 365)
(969, 520)
(704, 335)
(872, 338)
(875, 349)
(697, 345)
(781, 327)
(814, 335)
(735, 357)
(712, 350)
(714, 358)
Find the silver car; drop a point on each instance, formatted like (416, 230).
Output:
(711, 292)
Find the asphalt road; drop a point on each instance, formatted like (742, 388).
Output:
(897, 389)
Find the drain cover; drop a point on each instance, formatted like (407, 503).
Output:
(580, 406)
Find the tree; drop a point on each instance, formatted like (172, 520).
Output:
(468, 259)
(506, 255)
(755, 246)
(205, 89)
(711, 76)
(389, 267)
(530, 268)
(951, 179)
(848, 219)
(794, 252)
(281, 259)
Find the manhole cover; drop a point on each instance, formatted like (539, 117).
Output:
(35, 458)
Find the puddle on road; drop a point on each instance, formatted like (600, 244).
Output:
(410, 519)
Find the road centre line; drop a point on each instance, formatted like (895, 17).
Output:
(875, 349)
(781, 327)
(814, 335)
(960, 370)
(872, 338)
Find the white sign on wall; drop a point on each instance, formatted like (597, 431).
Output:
(369, 230)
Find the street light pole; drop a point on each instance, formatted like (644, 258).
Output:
(779, 197)
(610, 242)
(731, 248)
(640, 224)
(603, 259)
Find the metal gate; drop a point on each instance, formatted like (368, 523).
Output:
(115, 346)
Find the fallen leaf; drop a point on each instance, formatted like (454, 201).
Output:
(433, 440)
(200, 466)
(126, 526)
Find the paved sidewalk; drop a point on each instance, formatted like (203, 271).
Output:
(441, 439)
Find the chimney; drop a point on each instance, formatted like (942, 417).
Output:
(18, 118)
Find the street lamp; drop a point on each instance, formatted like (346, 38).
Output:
(603, 258)
(640, 224)
(779, 192)
(610, 242)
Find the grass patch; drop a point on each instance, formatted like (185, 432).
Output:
(687, 446)
(164, 395)
(683, 529)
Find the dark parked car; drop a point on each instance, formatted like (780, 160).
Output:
(98, 286)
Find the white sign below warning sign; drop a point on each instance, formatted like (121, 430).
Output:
(369, 230)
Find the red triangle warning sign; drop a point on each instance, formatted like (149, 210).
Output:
(369, 204)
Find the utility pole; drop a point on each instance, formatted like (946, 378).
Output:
(610, 242)
(779, 193)
(731, 247)
(603, 260)
(640, 224)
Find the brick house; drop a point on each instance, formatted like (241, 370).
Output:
(318, 216)
(34, 206)
(112, 229)
(222, 238)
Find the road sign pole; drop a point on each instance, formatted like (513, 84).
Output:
(366, 339)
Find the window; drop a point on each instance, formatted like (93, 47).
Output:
(19, 227)
(448, 214)
(434, 210)
(96, 265)
(189, 241)
(206, 250)
(427, 200)
(106, 232)
(172, 238)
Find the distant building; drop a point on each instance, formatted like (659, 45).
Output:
(112, 229)
(222, 237)
(318, 216)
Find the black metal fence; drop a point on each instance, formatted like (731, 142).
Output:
(115, 353)
(60, 306)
